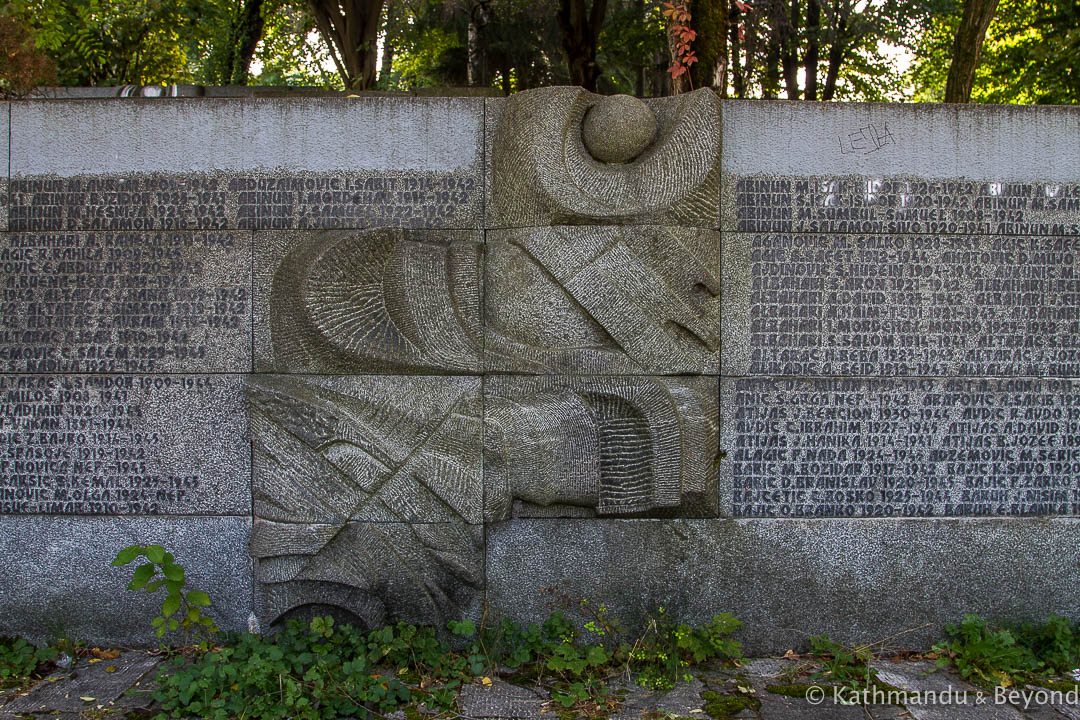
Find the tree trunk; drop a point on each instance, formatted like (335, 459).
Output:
(738, 84)
(639, 70)
(709, 19)
(580, 29)
(661, 79)
(789, 48)
(770, 85)
(837, 51)
(387, 65)
(966, 49)
(751, 40)
(810, 62)
(477, 70)
(349, 29)
(249, 33)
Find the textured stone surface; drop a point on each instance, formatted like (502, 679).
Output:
(618, 128)
(859, 581)
(602, 300)
(817, 447)
(364, 491)
(369, 574)
(379, 448)
(145, 302)
(104, 682)
(985, 305)
(5, 130)
(124, 445)
(895, 169)
(944, 696)
(501, 700)
(586, 446)
(385, 300)
(542, 174)
(681, 701)
(57, 577)
(280, 163)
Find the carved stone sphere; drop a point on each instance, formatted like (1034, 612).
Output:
(618, 128)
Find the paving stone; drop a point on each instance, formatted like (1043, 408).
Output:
(65, 692)
(943, 696)
(501, 700)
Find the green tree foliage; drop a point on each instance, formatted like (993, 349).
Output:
(822, 49)
(108, 42)
(798, 49)
(142, 42)
(24, 68)
(291, 52)
(1029, 55)
(632, 52)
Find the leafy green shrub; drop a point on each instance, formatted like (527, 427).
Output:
(19, 660)
(1056, 643)
(1008, 654)
(321, 670)
(312, 671)
(182, 607)
(841, 664)
(662, 656)
(985, 654)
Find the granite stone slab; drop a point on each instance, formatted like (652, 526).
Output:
(124, 445)
(543, 167)
(602, 300)
(391, 449)
(892, 169)
(859, 581)
(247, 164)
(143, 302)
(574, 446)
(5, 130)
(361, 301)
(937, 696)
(58, 580)
(502, 700)
(901, 305)
(368, 574)
(817, 447)
(104, 683)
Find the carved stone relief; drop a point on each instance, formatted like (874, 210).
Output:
(559, 446)
(386, 300)
(620, 300)
(595, 286)
(655, 162)
(367, 488)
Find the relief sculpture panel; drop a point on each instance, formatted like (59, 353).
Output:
(367, 495)
(417, 384)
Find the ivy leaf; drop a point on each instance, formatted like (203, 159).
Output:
(142, 575)
(173, 572)
(155, 553)
(199, 598)
(126, 555)
(170, 606)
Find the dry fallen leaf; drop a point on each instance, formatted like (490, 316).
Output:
(110, 669)
(791, 655)
(87, 698)
(486, 681)
(105, 654)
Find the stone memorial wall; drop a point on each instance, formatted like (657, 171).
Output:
(817, 365)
